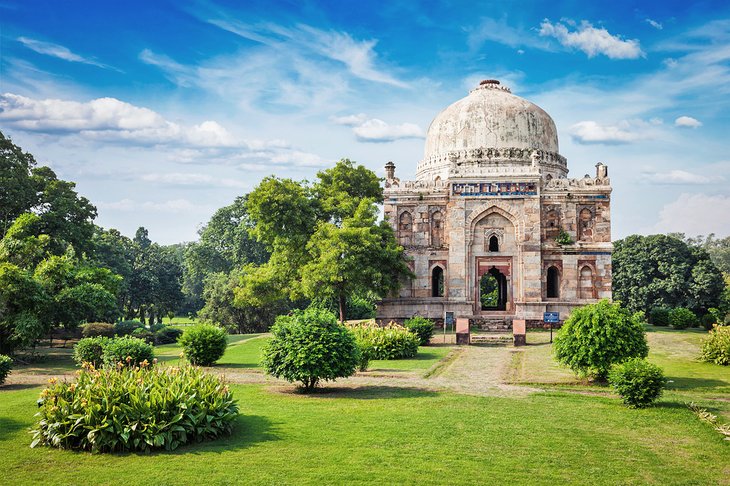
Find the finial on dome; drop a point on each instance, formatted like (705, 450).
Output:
(492, 84)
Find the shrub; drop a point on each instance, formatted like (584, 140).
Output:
(203, 344)
(681, 318)
(167, 335)
(708, 320)
(125, 328)
(6, 364)
(366, 351)
(134, 409)
(598, 335)
(90, 350)
(421, 327)
(390, 342)
(659, 316)
(129, 350)
(143, 333)
(638, 382)
(156, 327)
(94, 329)
(310, 346)
(716, 348)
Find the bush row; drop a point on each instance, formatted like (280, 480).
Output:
(390, 342)
(102, 350)
(156, 334)
(681, 318)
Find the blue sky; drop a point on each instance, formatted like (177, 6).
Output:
(163, 112)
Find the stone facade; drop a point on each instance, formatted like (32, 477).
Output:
(493, 228)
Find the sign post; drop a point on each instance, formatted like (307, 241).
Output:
(448, 320)
(551, 318)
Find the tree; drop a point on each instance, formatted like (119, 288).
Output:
(325, 241)
(18, 190)
(23, 302)
(23, 243)
(597, 336)
(664, 271)
(310, 346)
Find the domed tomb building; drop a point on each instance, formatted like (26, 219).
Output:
(493, 228)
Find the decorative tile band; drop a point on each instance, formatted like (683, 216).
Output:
(494, 189)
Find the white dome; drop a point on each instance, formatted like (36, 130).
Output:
(490, 130)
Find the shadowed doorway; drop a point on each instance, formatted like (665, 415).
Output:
(493, 290)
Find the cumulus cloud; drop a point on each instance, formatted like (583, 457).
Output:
(191, 179)
(171, 206)
(677, 177)
(654, 23)
(58, 51)
(687, 122)
(591, 40)
(591, 132)
(696, 214)
(377, 131)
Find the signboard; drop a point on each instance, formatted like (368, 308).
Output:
(449, 319)
(551, 317)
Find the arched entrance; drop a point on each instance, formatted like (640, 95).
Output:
(493, 290)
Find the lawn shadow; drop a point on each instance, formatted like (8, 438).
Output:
(19, 386)
(10, 426)
(686, 383)
(361, 392)
(237, 365)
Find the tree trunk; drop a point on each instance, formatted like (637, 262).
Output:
(342, 308)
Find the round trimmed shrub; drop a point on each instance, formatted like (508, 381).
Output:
(708, 320)
(128, 350)
(168, 335)
(596, 336)
(6, 365)
(203, 344)
(125, 328)
(390, 342)
(90, 350)
(716, 348)
(681, 318)
(310, 346)
(638, 382)
(143, 333)
(94, 329)
(163, 408)
(659, 316)
(421, 327)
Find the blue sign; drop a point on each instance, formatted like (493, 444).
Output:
(551, 317)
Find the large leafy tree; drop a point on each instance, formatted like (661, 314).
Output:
(23, 303)
(664, 271)
(324, 239)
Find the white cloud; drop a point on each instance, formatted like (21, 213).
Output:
(500, 31)
(654, 23)
(696, 214)
(678, 177)
(687, 122)
(377, 131)
(58, 51)
(171, 206)
(191, 179)
(592, 40)
(350, 120)
(591, 132)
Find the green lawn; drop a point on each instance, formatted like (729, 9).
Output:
(427, 357)
(399, 436)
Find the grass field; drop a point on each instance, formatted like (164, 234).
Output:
(370, 429)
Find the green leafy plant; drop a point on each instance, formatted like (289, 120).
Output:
(310, 346)
(124, 328)
(659, 316)
(597, 336)
(167, 335)
(716, 347)
(203, 344)
(563, 238)
(389, 342)
(6, 365)
(128, 350)
(94, 329)
(638, 382)
(681, 318)
(145, 334)
(134, 409)
(421, 327)
(708, 320)
(90, 350)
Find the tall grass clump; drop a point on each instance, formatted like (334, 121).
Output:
(389, 342)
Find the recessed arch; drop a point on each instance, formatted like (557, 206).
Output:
(485, 210)
(437, 281)
(405, 228)
(493, 243)
(553, 282)
(586, 285)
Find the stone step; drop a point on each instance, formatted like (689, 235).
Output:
(486, 339)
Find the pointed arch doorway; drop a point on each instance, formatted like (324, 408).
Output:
(493, 285)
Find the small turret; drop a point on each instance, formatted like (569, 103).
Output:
(601, 171)
(390, 170)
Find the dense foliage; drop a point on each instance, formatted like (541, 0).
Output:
(134, 409)
(94, 329)
(125, 328)
(638, 382)
(659, 316)
(167, 335)
(130, 351)
(90, 350)
(6, 365)
(421, 327)
(389, 342)
(664, 271)
(716, 347)
(309, 346)
(681, 318)
(596, 336)
(203, 344)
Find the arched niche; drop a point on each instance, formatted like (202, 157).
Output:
(553, 283)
